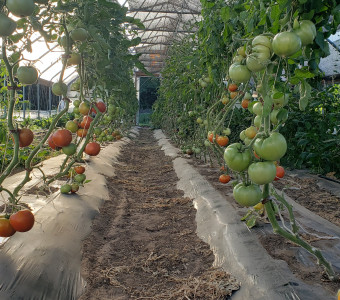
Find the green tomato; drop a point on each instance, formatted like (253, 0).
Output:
(262, 40)
(238, 59)
(207, 143)
(273, 115)
(109, 138)
(247, 195)
(257, 61)
(247, 141)
(59, 89)
(257, 121)
(247, 96)
(74, 187)
(242, 135)
(20, 8)
(271, 148)
(70, 149)
(262, 172)
(235, 158)
(76, 110)
(65, 188)
(27, 74)
(71, 126)
(239, 73)
(7, 25)
(199, 120)
(258, 109)
(226, 131)
(286, 44)
(80, 178)
(306, 31)
(76, 103)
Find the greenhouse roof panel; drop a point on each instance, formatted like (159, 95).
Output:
(165, 22)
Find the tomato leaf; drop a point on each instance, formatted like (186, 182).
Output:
(251, 222)
(303, 73)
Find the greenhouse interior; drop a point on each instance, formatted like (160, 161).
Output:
(169, 149)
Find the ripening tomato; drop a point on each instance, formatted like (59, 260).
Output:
(51, 143)
(62, 137)
(222, 140)
(101, 107)
(25, 137)
(84, 107)
(245, 103)
(232, 87)
(86, 122)
(280, 172)
(81, 132)
(233, 94)
(250, 132)
(6, 229)
(22, 221)
(92, 149)
(211, 136)
(79, 169)
(224, 178)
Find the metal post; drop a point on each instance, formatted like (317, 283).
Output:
(24, 102)
(49, 101)
(38, 99)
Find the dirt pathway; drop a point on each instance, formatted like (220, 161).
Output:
(143, 244)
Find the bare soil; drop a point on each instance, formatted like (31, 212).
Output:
(143, 243)
(306, 192)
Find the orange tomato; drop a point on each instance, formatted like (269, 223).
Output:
(245, 103)
(232, 87)
(224, 178)
(280, 172)
(222, 140)
(233, 94)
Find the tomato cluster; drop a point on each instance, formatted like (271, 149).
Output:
(21, 221)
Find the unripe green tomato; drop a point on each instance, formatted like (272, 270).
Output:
(76, 103)
(257, 121)
(262, 172)
(258, 109)
(199, 120)
(59, 88)
(242, 135)
(70, 149)
(286, 44)
(227, 131)
(76, 110)
(207, 143)
(247, 195)
(74, 187)
(271, 148)
(236, 158)
(80, 178)
(65, 189)
(109, 138)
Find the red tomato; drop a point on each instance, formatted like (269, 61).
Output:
(86, 122)
(224, 178)
(25, 137)
(62, 137)
(101, 107)
(92, 149)
(79, 169)
(6, 228)
(51, 143)
(22, 221)
(280, 172)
